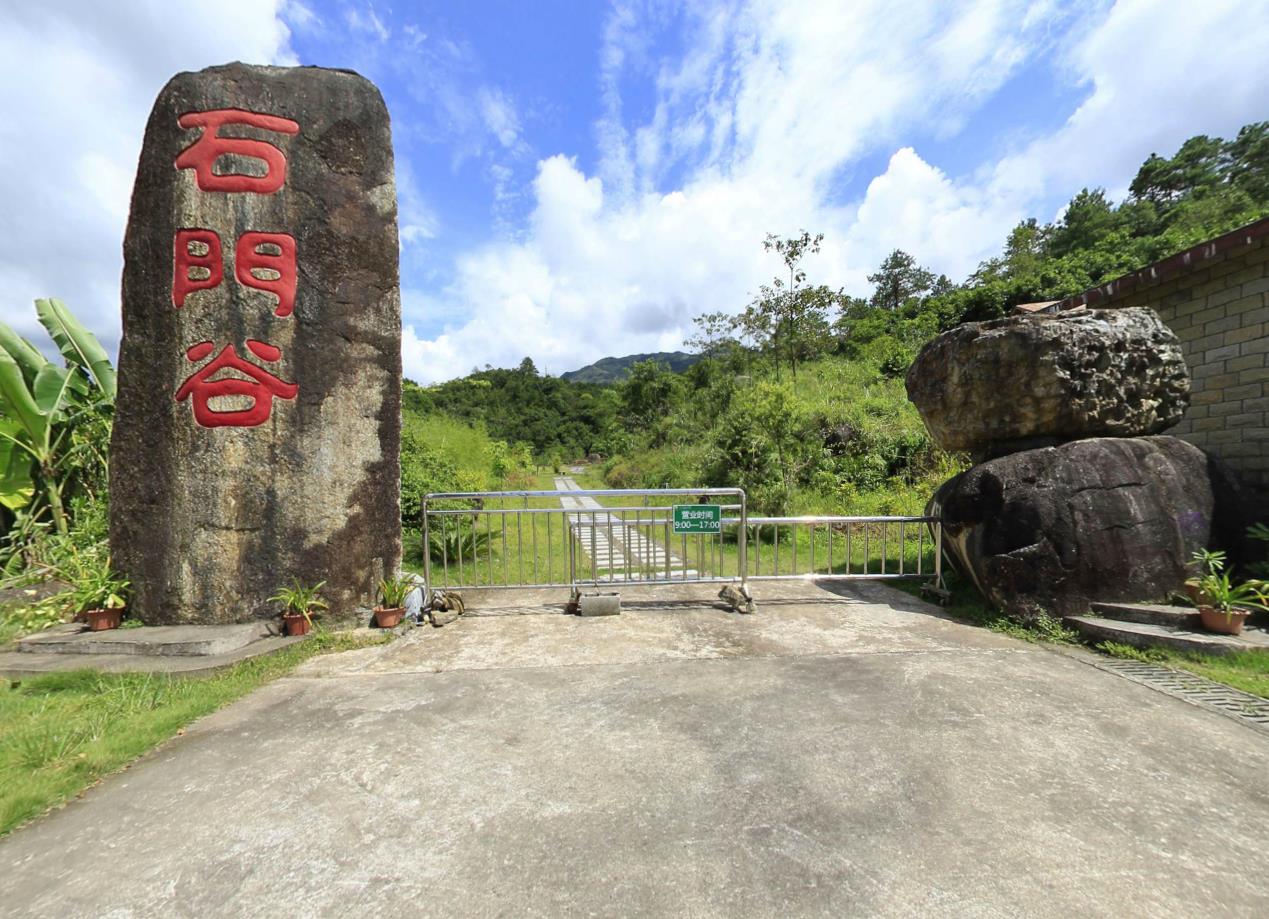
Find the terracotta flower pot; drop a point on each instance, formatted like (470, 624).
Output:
(389, 618)
(296, 623)
(1230, 623)
(99, 620)
(1195, 593)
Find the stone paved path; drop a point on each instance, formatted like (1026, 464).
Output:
(619, 551)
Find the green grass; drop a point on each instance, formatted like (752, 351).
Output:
(967, 604)
(1245, 670)
(62, 732)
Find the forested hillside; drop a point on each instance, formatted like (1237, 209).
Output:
(617, 369)
(798, 396)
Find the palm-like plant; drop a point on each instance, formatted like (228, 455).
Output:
(394, 590)
(459, 544)
(1216, 589)
(300, 599)
(40, 405)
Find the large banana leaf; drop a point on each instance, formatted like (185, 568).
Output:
(78, 345)
(19, 404)
(23, 352)
(17, 485)
(52, 387)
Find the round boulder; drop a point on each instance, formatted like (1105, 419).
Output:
(1110, 519)
(993, 388)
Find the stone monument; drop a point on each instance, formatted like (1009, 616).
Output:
(257, 431)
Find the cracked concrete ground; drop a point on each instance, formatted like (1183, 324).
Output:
(841, 752)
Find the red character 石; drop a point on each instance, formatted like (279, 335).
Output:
(210, 146)
(260, 388)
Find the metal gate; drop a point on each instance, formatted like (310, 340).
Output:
(579, 538)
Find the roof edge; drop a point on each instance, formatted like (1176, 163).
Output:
(1242, 238)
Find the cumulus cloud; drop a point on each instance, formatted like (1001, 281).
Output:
(771, 102)
(77, 80)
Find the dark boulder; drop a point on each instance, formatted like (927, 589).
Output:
(1049, 530)
(993, 388)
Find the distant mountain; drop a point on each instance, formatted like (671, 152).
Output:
(616, 369)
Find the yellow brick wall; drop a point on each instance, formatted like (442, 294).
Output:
(1220, 311)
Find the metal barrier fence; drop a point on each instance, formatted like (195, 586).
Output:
(568, 538)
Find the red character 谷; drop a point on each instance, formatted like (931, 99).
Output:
(261, 386)
(210, 146)
(185, 261)
(248, 259)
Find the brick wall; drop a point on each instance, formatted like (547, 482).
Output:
(1219, 308)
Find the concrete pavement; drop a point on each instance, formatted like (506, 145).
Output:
(845, 752)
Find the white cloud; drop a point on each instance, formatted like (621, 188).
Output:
(77, 80)
(771, 101)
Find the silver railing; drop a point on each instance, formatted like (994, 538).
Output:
(839, 547)
(567, 538)
(576, 538)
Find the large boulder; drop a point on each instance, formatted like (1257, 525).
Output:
(1050, 530)
(258, 425)
(1013, 384)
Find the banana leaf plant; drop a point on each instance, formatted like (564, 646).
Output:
(40, 403)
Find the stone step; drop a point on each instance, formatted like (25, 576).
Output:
(148, 641)
(1150, 635)
(16, 665)
(1178, 617)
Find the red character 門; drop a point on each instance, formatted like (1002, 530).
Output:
(185, 261)
(248, 259)
(260, 388)
(210, 146)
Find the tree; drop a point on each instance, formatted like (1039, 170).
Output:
(898, 280)
(648, 393)
(1249, 153)
(789, 321)
(714, 332)
(1198, 166)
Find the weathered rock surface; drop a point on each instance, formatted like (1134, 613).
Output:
(258, 424)
(1103, 519)
(998, 387)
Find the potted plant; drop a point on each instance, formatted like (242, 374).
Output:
(1223, 605)
(1206, 562)
(393, 591)
(98, 596)
(298, 605)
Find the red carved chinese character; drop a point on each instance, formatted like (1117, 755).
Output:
(203, 153)
(186, 261)
(248, 259)
(261, 388)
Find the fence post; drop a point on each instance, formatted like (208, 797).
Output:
(742, 542)
(427, 548)
(572, 554)
(938, 552)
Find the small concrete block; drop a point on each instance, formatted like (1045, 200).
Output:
(599, 604)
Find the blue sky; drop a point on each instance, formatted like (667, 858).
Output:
(579, 179)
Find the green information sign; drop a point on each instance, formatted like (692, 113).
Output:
(698, 518)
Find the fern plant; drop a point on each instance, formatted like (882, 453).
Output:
(299, 599)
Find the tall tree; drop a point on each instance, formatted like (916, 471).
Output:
(898, 280)
(789, 320)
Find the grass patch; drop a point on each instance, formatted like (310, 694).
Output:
(62, 732)
(1245, 670)
(967, 604)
